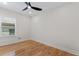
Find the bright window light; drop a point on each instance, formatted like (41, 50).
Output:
(5, 3)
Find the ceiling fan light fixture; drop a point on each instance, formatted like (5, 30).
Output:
(29, 7)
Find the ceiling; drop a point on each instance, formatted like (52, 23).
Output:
(18, 6)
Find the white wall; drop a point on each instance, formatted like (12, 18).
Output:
(22, 22)
(60, 28)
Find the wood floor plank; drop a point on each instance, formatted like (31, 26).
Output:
(33, 48)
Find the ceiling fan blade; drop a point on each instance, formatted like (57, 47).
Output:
(29, 4)
(25, 8)
(36, 8)
(26, 3)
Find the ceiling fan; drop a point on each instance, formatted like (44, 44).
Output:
(30, 6)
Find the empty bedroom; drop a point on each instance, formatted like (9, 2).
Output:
(39, 28)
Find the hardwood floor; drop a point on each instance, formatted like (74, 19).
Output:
(33, 48)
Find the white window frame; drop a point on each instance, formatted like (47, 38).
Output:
(5, 22)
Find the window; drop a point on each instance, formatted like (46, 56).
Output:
(7, 26)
